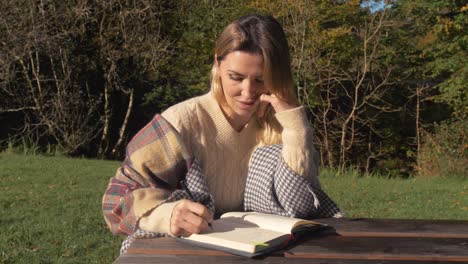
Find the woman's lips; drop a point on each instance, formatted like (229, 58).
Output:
(249, 103)
(246, 104)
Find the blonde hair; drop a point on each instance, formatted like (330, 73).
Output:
(261, 35)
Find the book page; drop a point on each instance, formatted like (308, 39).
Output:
(282, 224)
(233, 232)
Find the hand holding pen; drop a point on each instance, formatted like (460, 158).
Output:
(192, 198)
(189, 217)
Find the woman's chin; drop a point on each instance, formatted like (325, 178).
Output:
(245, 113)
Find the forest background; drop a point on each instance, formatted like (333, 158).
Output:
(384, 82)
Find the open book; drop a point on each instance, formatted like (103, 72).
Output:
(251, 234)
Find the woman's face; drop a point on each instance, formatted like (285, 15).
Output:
(241, 76)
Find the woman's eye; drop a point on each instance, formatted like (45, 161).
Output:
(235, 78)
(259, 81)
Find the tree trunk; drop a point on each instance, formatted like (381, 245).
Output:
(123, 128)
(105, 129)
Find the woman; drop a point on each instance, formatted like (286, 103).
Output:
(251, 104)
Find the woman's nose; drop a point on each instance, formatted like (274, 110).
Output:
(248, 89)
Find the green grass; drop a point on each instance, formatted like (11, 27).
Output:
(50, 206)
(415, 198)
(50, 210)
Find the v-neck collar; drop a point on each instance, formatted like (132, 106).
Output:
(224, 124)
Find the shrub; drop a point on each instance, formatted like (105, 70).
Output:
(445, 151)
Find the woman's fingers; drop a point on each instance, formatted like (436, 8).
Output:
(200, 210)
(278, 104)
(194, 223)
(189, 217)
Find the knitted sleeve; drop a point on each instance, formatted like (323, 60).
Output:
(297, 139)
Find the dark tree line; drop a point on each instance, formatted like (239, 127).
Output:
(385, 89)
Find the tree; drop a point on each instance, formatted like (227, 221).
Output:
(433, 43)
(336, 51)
(70, 67)
(194, 28)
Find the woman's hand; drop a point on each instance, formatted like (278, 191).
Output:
(278, 104)
(189, 217)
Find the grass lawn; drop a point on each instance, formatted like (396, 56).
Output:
(50, 206)
(51, 210)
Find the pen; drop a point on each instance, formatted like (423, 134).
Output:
(192, 198)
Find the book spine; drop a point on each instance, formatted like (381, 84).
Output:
(287, 241)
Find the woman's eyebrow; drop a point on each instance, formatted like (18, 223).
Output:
(240, 74)
(234, 72)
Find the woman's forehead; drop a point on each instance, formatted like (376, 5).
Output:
(243, 63)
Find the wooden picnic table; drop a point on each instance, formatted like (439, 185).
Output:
(393, 241)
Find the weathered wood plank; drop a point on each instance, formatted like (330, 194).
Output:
(330, 247)
(383, 248)
(185, 259)
(367, 241)
(399, 227)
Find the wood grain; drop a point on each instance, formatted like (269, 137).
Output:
(398, 227)
(351, 241)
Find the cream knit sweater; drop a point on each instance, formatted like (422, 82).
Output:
(224, 153)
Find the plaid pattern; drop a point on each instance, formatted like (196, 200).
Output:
(273, 188)
(197, 185)
(155, 162)
(117, 204)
